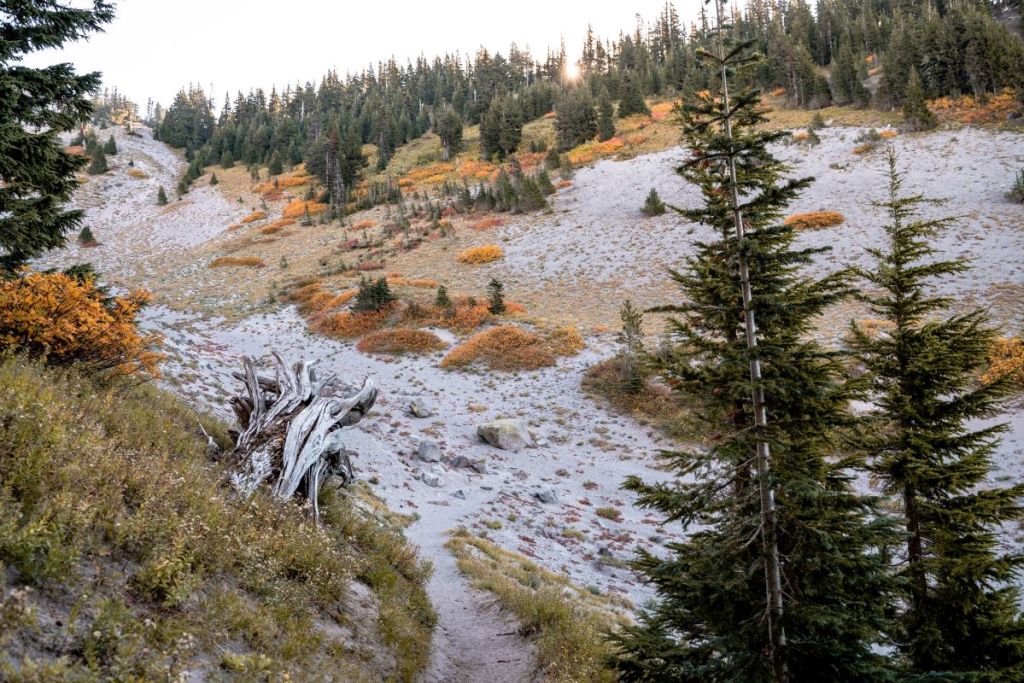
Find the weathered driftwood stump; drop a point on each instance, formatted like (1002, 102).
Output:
(291, 436)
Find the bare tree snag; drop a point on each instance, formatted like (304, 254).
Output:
(291, 436)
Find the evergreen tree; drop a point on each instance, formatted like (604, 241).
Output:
(495, 297)
(544, 183)
(442, 300)
(576, 119)
(915, 109)
(111, 146)
(213, 179)
(501, 128)
(962, 604)
(605, 118)
(227, 159)
(632, 101)
(721, 614)
(275, 167)
(39, 103)
(631, 338)
(98, 165)
(373, 296)
(653, 206)
(448, 126)
(161, 196)
(85, 237)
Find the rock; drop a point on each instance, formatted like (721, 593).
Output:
(434, 477)
(603, 551)
(546, 496)
(476, 408)
(460, 494)
(464, 462)
(420, 408)
(428, 451)
(507, 434)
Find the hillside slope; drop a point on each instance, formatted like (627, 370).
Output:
(125, 558)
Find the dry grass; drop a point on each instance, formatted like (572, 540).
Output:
(814, 220)
(249, 261)
(567, 622)
(421, 283)
(146, 568)
(399, 341)
(480, 255)
(137, 174)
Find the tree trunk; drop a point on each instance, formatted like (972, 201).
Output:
(291, 436)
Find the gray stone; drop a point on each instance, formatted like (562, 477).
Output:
(546, 496)
(464, 462)
(420, 408)
(507, 434)
(434, 477)
(460, 494)
(428, 451)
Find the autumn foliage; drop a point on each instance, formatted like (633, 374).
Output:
(400, 340)
(254, 216)
(510, 347)
(813, 220)
(1006, 358)
(68, 320)
(479, 255)
(297, 208)
(970, 111)
(251, 261)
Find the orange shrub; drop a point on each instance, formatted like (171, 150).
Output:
(400, 340)
(428, 173)
(662, 110)
(505, 347)
(305, 292)
(968, 110)
(813, 220)
(137, 174)
(478, 170)
(399, 281)
(285, 181)
(76, 150)
(277, 226)
(297, 208)
(513, 308)
(462, 317)
(589, 151)
(889, 133)
(364, 224)
(342, 299)
(254, 216)
(349, 325)
(566, 341)
(253, 261)
(479, 255)
(562, 184)
(488, 223)
(778, 92)
(65, 320)
(1006, 358)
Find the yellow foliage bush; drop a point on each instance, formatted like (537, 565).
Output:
(297, 208)
(478, 170)
(813, 220)
(479, 255)
(400, 340)
(662, 110)
(254, 216)
(566, 341)
(65, 320)
(505, 347)
(1006, 358)
(251, 261)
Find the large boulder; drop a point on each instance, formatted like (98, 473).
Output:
(507, 434)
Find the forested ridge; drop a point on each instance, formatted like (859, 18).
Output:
(859, 52)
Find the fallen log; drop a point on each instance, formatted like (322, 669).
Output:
(291, 429)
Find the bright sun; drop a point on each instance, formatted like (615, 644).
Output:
(572, 71)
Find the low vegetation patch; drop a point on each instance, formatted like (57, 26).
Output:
(143, 567)
(137, 174)
(969, 110)
(253, 217)
(1006, 358)
(480, 255)
(510, 347)
(349, 324)
(300, 207)
(487, 223)
(814, 220)
(250, 261)
(401, 340)
(65, 319)
(277, 226)
(568, 623)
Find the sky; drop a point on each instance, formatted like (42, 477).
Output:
(153, 48)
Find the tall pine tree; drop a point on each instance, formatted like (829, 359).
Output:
(962, 606)
(37, 176)
(713, 620)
